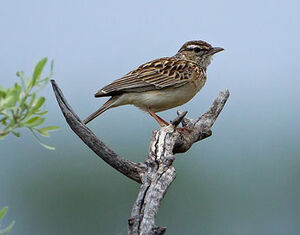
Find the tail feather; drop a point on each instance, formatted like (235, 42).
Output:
(102, 109)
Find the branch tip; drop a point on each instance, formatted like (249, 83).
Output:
(179, 118)
(130, 169)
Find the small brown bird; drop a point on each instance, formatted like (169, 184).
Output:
(161, 84)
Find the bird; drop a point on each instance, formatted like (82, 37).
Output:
(161, 84)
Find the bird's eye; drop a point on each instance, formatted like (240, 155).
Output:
(197, 49)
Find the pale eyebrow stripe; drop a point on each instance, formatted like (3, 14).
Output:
(192, 46)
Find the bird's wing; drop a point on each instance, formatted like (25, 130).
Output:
(157, 74)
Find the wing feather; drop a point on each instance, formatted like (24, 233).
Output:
(157, 74)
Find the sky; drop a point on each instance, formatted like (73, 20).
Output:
(241, 180)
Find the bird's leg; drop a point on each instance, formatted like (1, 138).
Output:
(160, 121)
(165, 122)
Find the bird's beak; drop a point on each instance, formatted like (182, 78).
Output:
(215, 50)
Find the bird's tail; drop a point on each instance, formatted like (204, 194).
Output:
(102, 109)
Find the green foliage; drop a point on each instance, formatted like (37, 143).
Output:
(4, 231)
(20, 107)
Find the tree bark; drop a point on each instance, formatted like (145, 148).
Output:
(157, 173)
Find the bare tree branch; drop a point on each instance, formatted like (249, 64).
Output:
(201, 127)
(126, 167)
(158, 172)
(178, 119)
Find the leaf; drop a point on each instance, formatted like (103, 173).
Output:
(3, 119)
(34, 105)
(38, 104)
(50, 128)
(31, 120)
(3, 211)
(11, 98)
(6, 116)
(2, 94)
(17, 86)
(41, 113)
(28, 82)
(40, 142)
(3, 133)
(20, 74)
(44, 131)
(17, 134)
(38, 71)
(47, 146)
(32, 99)
(35, 121)
(7, 229)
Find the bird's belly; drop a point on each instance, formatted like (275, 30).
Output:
(160, 100)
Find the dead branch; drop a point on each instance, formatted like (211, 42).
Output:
(158, 172)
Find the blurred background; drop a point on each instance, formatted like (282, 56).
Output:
(242, 180)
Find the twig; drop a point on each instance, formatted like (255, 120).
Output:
(178, 119)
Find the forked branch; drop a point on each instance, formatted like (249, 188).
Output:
(158, 172)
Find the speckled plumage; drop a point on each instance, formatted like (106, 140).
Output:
(155, 75)
(163, 83)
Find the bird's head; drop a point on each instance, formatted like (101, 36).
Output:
(198, 51)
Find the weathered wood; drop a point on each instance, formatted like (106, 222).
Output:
(158, 172)
(126, 167)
